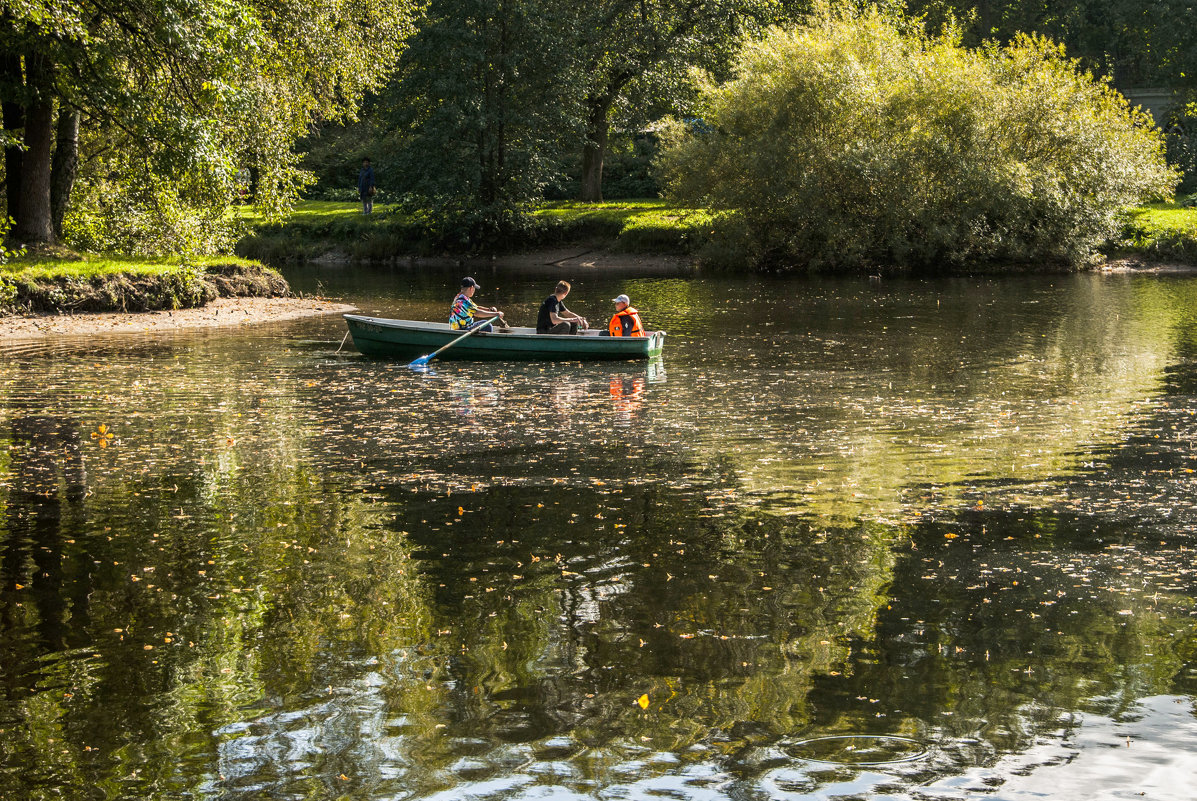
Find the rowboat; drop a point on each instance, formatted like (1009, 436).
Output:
(383, 338)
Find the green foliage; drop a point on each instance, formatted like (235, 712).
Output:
(139, 212)
(8, 289)
(629, 170)
(1137, 42)
(858, 141)
(186, 104)
(483, 108)
(1181, 138)
(6, 253)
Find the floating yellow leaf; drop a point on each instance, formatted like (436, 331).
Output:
(102, 435)
(643, 701)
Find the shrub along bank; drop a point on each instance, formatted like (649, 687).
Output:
(40, 284)
(859, 142)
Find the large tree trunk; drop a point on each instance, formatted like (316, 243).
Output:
(64, 167)
(34, 223)
(595, 149)
(13, 119)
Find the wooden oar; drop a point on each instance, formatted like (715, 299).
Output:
(423, 360)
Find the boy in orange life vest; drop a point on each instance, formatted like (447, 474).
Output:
(626, 321)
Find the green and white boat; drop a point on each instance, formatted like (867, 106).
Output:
(383, 338)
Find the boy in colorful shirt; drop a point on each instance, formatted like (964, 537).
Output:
(461, 316)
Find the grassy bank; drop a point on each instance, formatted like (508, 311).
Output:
(40, 284)
(1158, 232)
(320, 228)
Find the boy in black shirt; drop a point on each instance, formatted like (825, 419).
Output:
(554, 318)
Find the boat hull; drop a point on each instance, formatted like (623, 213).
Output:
(382, 338)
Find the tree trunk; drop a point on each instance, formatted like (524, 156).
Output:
(34, 225)
(595, 149)
(64, 167)
(13, 120)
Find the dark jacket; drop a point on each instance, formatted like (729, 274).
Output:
(365, 180)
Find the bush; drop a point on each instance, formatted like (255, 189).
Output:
(859, 141)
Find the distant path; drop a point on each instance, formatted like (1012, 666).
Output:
(220, 312)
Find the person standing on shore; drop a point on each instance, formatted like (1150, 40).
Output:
(554, 318)
(365, 186)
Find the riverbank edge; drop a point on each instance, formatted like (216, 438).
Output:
(591, 255)
(220, 313)
(640, 232)
(85, 285)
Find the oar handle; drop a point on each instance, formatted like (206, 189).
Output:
(473, 330)
(425, 359)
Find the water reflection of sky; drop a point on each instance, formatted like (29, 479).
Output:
(959, 512)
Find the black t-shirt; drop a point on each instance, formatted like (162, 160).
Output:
(550, 306)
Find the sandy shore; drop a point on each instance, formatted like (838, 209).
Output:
(220, 312)
(1140, 266)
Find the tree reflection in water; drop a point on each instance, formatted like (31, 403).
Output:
(288, 578)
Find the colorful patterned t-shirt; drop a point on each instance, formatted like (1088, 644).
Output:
(462, 315)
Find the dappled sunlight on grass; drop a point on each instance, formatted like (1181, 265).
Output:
(92, 265)
(1160, 217)
(314, 211)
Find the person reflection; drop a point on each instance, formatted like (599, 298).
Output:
(469, 397)
(627, 396)
(46, 468)
(566, 395)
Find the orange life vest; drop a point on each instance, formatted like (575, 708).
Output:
(615, 327)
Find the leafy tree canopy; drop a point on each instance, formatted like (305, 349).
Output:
(482, 107)
(173, 103)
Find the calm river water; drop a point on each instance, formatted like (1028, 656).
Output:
(848, 539)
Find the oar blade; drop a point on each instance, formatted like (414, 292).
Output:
(423, 360)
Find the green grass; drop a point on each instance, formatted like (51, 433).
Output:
(315, 212)
(318, 227)
(53, 283)
(1161, 232)
(96, 265)
(614, 209)
(1164, 217)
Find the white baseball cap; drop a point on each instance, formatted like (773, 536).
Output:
(622, 299)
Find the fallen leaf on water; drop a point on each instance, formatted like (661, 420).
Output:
(643, 701)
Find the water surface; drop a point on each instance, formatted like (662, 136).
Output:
(847, 539)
